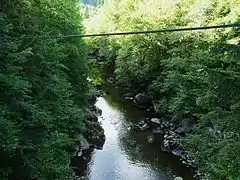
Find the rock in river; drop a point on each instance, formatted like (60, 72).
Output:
(150, 139)
(141, 123)
(142, 100)
(156, 121)
(158, 130)
(145, 127)
(178, 178)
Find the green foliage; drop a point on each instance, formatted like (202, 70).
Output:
(187, 74)
(43, 88)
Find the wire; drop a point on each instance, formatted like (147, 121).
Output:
(124, 33)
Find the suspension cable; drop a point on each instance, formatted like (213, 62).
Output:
(124, 33)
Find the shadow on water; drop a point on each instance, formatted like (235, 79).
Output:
(127, 154)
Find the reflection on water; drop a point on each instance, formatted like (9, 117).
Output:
(127, 155)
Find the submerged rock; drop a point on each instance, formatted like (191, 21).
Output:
(150, 139)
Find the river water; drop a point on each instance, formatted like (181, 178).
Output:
(127, 154)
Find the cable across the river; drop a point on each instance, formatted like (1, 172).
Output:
(123, 33)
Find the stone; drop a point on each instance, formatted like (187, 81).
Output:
(148, 110)
(98, 112)
(178, 178)
(165, 146)
(178, 152)
(110, 80)
(156, 121)
(80, 153)
(147, 120)
(169, 145)
(129, 98)
(158, 130)
(141, 99)
(141, 123)
(91, 115)
(145, 127)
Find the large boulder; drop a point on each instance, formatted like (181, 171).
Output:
(142, 100)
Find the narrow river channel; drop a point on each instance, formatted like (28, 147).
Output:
(127, 154)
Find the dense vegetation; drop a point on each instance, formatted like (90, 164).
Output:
(187, 74)
(43, 88)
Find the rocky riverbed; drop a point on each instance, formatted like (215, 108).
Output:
(171, 132)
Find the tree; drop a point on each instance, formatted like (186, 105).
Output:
(43, 88)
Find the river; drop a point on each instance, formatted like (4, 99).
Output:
(127, 154)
